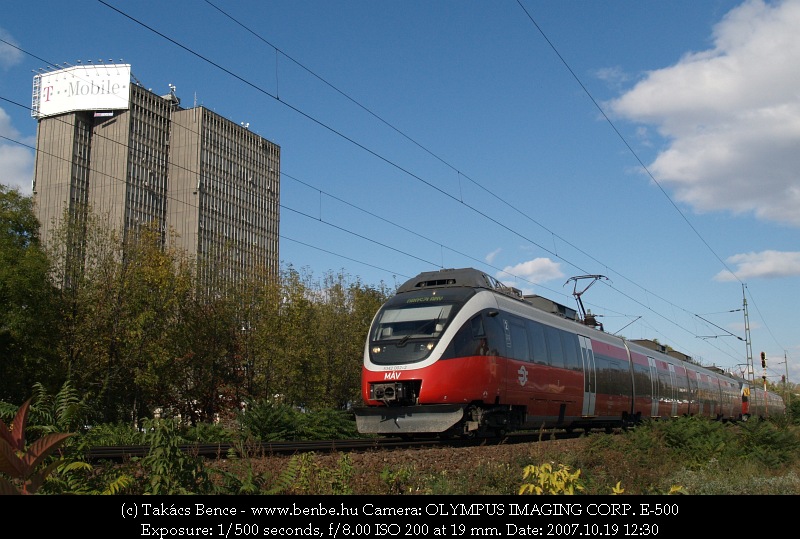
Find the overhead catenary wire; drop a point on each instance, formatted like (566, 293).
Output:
(480, 212)
(458, 199)
(359, 235)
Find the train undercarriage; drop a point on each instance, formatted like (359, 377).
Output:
(461, 420)
(401, 415)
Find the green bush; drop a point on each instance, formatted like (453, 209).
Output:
(268, 422)
(109, 434)
(770, 444)
(169, 469)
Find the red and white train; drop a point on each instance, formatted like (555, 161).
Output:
(456, 352)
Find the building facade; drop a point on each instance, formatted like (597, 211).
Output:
(135, 157)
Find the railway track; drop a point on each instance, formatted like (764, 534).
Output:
(121, 453)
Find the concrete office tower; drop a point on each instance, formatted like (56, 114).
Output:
(137, 157)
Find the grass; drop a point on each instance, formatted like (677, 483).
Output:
(684, 455)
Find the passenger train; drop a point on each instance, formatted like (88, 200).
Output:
(457, 353)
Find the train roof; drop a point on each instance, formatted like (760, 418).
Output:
(461, 277)
(474, 278)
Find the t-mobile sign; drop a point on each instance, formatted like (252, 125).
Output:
(95, 87)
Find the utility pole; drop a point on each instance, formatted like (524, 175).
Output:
(764, 376)
(750, 367)
(786, 379)
(748, 344)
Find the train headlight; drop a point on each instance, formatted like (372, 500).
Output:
(376, 349)
(430, 346)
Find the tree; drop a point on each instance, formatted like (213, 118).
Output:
(157, 288)
(296, 379)
(123, 302)
(344, 312)
(365, 301)
(207, 373)
(306, 339)
(27, 301)
(128, 325)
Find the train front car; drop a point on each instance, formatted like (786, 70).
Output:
(456, 352)
(428, 368)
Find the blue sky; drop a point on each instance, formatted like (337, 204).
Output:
(654, 143)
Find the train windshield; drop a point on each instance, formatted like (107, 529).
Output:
(409, 326)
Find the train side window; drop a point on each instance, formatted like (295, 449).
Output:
(462, 343)
(554, 345)
(519, 339)
(664, 385)
(604, 374)
(641, 381)
(494, 334)
(570, 344)
(479, 336)
(538, 342)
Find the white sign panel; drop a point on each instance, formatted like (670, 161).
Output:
(96, 87)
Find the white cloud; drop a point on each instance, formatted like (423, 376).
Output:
(766, 264)
(16, 166)
(491, 256)
(536, 271)
(16, 161)
(615, 77)
(9, 56)
(731, 115)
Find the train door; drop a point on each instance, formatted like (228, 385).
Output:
(692, 395)
(589, 376)
(702, 394)
(656, 396)
(520, 378)
(673, 390)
